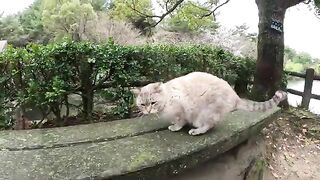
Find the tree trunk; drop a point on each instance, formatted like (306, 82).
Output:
(87, 92)
(87, 99)
(269, 67)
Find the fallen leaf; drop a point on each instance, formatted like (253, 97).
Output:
(275, 175)
(304, 131)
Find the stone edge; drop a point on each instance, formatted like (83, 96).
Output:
(183, 163)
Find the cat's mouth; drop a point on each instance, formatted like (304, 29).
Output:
(150, 112)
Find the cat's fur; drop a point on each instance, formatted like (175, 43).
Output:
(198, 98)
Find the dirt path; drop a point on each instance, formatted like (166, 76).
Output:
(293, 147)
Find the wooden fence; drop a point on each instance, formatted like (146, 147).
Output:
(309, 77)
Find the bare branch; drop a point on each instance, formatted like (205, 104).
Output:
(166, 5)
(214, 10)
(161, 17)
(133, 7)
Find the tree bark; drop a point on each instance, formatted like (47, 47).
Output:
(269, 67)
(87, 92)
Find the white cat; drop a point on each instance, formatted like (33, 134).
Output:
(199, 99)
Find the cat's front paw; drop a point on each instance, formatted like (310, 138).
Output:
(174, 127)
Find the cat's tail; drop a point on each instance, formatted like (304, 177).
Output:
(244, 104)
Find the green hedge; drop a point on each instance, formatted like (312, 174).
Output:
(46, 75)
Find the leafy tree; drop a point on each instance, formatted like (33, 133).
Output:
(299, 62)
(24, 27)
(189, 18)
(289, 54)
(122, 11)
(269, 69)
(11, 30)
(28, 26)
(67, 17)
(31, 23)
(302, 58)
(100, 5)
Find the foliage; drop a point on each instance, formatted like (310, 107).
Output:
(10, 27)
(46, 75)
(188, 18)
(67, 17)
(30, 21)
(122, 10)
(100, 5)
(299, 62)
(24, 27)
(295, 67)
(5, 121)
(44, 20)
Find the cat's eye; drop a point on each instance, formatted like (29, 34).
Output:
(143, 105)
(152, 103)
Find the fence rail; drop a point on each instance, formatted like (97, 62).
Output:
(309, 77)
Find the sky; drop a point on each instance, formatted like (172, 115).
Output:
(301, 27)
(13, 6)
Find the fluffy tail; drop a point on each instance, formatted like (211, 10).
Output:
(248, 105)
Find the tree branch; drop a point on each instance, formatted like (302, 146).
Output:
(293, 2)
(317, 13)
(133, 7)
(214, 10)
(166, 4)
(103, 80)
(307, 2)
(161, 17)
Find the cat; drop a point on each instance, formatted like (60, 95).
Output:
(198, 98)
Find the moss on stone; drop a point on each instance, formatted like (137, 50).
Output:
(155, 152)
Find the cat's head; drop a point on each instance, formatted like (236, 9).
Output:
(150, 98)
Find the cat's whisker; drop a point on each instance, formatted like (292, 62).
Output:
(157, 115)
(140, 114)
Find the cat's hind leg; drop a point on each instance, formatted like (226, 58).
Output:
(178, 124)
(205, 121)
(199, 130)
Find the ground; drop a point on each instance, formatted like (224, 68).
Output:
(288, 149)
(293, 146)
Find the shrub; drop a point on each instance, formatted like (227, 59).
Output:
(46, 75)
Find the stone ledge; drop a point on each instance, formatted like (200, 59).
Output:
(72, 135)
(147, 150)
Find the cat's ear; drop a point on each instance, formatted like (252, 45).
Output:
(135, 91)
(157, 86)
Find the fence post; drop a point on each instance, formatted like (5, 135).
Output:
(307, 88)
